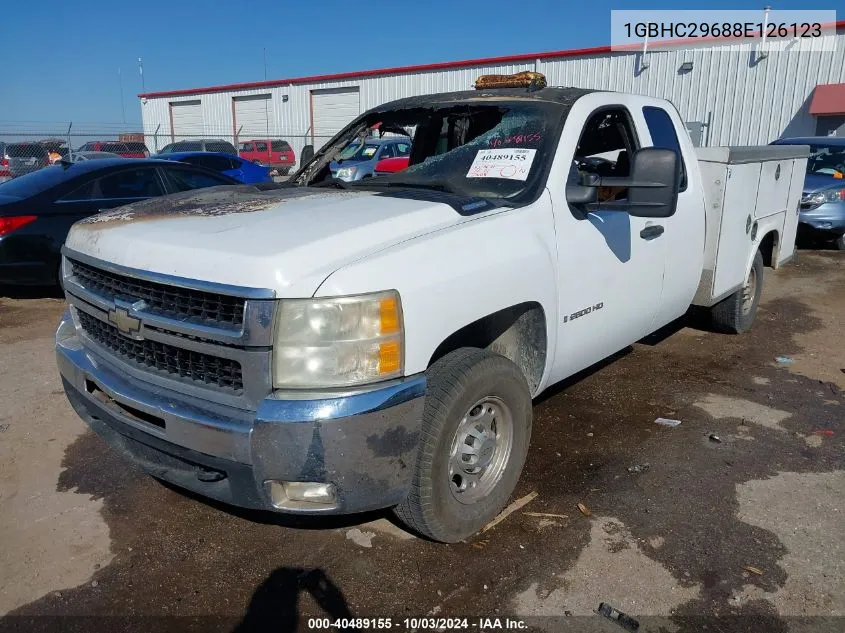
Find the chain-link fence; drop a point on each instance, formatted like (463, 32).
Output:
(25, 150)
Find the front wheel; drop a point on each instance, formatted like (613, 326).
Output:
(736, 313)
(839, 243)
(475, 434)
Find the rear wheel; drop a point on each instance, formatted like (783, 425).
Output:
(476, 430)
(736, 313)
(839, 243)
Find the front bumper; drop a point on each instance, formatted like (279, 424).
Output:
(364, 442)
(827, 218)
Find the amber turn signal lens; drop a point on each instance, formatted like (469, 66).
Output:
(389, 357)
(389, 314)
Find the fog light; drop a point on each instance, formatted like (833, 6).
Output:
(301, 494)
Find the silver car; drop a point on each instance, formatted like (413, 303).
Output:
(24, 158)
(77, 157)
(359, 160)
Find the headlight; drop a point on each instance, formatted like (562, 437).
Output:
(813, 199)
(834, 195)
(346, 173)
(338, 342)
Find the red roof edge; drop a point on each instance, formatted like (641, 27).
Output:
(828, 99)
(504, 59)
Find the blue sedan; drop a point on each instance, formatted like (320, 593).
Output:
(241, 170)
(822, 212)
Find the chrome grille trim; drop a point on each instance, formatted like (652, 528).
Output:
(259, 306)
(182, 304)
(243, 292)
(250, 346)
(205, 370)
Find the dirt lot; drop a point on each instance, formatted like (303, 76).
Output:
(745, 533)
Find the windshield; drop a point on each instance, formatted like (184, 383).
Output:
(33, 183)
(185, 146)
(25, 150)
(357, 152)
(495, 151)
(826, 160)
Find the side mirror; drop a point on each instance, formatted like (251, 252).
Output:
(652, 186)
(584, 192)
(656, 178)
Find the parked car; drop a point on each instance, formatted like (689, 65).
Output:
(822, 213)
(137, 148)
(391, 165)
(57, 149)
(77, 157)
(241, 170)
(336, 353)
(200, 145)
(358, 160)
(38, 209)
(5, 174)
(276, 154)
(23, 158)
(113, 147)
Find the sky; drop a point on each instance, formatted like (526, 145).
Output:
(66, 61)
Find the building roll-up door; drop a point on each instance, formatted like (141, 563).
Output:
(253, 115)
(331, 110)
(186, 120)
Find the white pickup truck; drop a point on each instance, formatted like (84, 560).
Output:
(331, 347)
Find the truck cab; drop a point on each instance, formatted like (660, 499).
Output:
(334, 347)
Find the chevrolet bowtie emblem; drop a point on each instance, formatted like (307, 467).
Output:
(125, 322)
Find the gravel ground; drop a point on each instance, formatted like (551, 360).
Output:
(744, 533)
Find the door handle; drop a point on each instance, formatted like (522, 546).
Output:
(652, 231)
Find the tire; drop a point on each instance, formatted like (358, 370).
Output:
(736, 313)
(466, 390)
(839, 243)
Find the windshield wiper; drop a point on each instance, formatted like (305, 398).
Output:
(332, 182)
(434, 185)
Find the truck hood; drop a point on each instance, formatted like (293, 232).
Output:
(288, 240)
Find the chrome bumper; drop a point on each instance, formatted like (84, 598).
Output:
(363, 442)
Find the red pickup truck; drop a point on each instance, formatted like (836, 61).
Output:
(275, 154)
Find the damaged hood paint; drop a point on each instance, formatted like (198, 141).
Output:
(288, 240)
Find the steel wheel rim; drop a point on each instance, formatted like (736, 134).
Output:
(748, 291)
(480, 450)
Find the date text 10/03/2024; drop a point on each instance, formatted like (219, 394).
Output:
(482, 625)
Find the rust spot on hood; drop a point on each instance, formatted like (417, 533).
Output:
(210, 202)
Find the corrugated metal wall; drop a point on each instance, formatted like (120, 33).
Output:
(742, 99)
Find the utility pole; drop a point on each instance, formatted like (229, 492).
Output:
(141, 72)
(122, 103)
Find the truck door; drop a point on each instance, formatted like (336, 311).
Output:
(611, 264)
(684, 231)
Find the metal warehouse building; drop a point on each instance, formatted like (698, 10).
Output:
(729, 93)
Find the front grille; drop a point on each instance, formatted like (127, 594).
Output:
(175, 362)
(184, 304)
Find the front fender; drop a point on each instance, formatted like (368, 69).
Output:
(452, 277)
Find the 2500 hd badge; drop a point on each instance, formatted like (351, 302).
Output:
(585, 311)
